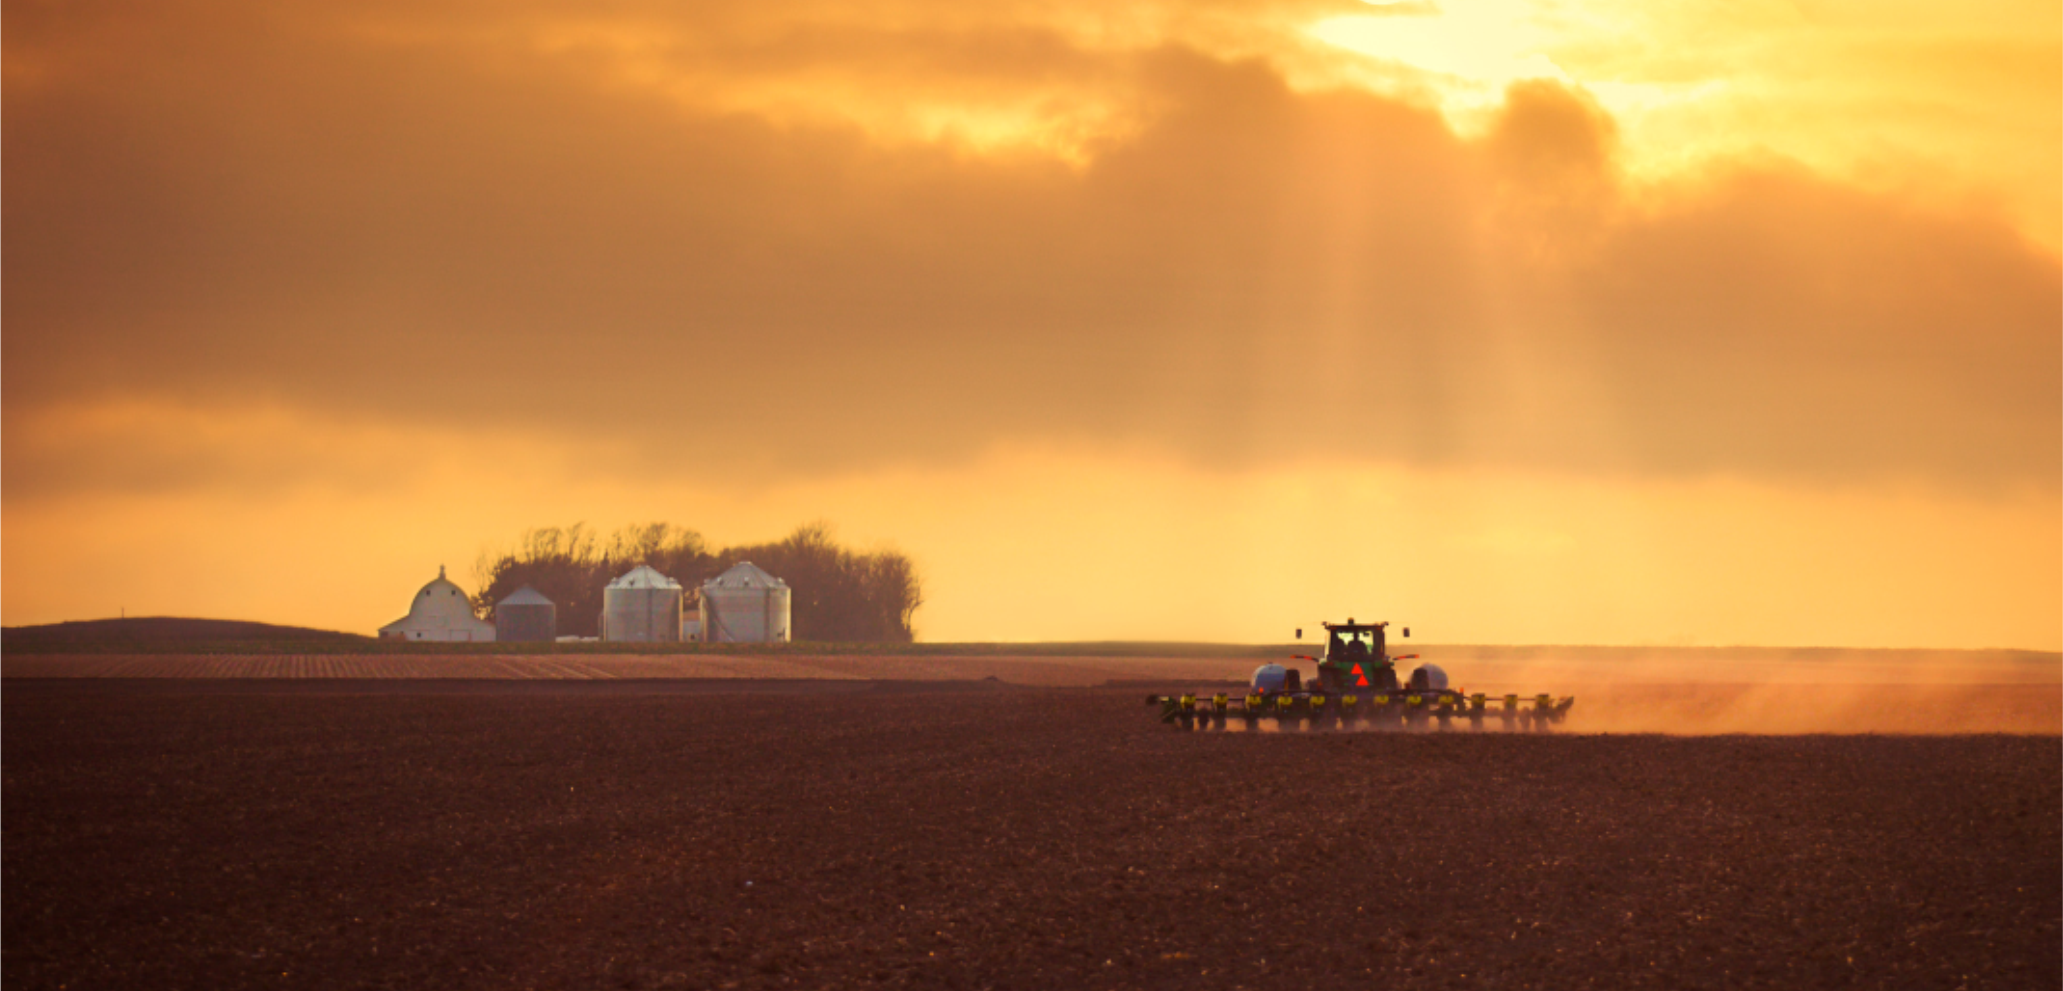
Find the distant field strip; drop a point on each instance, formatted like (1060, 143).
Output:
(1016, 670)
(403, 666)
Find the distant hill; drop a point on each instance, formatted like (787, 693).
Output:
(159, 631)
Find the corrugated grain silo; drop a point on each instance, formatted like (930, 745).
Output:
(745, 605)
(643, 606)
(526, 617)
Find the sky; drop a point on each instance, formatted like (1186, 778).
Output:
(1526, 321)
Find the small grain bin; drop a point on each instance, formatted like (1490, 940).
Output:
(643, 606)
(526, 617)
(745, 605)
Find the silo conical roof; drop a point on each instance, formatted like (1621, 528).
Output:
(525, 596)
(745, 574)
(643, 576)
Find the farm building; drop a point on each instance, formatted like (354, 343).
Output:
(439, 612)
(745, 605)
(643, 606)
(691, 618)
(526, 616)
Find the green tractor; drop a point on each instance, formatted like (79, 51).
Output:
(1354, 685)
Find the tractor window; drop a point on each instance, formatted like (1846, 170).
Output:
(1350, 644)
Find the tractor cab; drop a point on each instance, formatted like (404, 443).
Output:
(1357, 659)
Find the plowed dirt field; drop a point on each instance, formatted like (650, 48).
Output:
(622, 834)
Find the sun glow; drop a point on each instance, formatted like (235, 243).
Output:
(1928, 102)
(1476, 50)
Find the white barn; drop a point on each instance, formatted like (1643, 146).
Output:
(440, 612)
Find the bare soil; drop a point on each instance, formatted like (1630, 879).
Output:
(712, 834)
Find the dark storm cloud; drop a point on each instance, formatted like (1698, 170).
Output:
(291, 209)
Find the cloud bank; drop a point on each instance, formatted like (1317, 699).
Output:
(385, 216)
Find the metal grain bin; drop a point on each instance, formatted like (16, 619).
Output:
(745, 605)
(643, 606)
(526, 617)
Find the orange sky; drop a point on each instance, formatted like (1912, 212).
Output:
(1520, 322)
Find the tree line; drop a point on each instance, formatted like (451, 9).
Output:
(835, 594)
